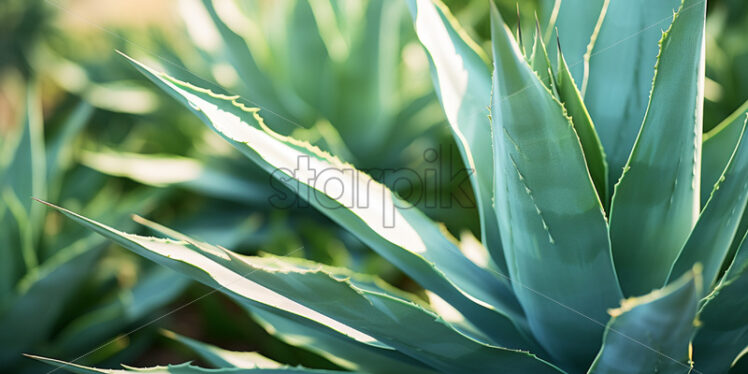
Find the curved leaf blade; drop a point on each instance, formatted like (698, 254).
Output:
(463, 84)
(222, 358)
(393, 228)
(652, 333)
(340, 351)
(656, 203)
(718, 147)
(717, 227)
(620, 73)
(724, 318)
(185, 368)
(577, 22)
(580, 118)
(286, 287)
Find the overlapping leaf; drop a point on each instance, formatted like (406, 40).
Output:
(717, 149)
(724, 319)
(396, 230)
(717, 227)
(222, 358)
(283, 288)
(656, 203)
(575, 108)
(551, 219)
(185, 368)
(620, 73)
(463, 83)
(652, 333)
(577, 22)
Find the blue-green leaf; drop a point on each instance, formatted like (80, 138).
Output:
(541, 62)
(575, 108)
(551, 219)
(656, 203)
(724, 319)
(393, 228)
(715, 231)
(292, 291)
(577, 22)
(337, 348)
(620, 73)
(222, 358)
(463, 83)
(652, 333)
(718, 147)
(185, 368)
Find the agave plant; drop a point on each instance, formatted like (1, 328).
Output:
(573, 273)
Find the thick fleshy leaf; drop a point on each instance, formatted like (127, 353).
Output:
(551, 219)
(336, 348)
(577, 22)
(396, 230)
(292, 291)
(222, 358)
(620, 73)
(656, 203)
(185, 368)
(715, 231)
(719, 145)
(652, 333)
(724, 319)
(463, 83)
(575, 108)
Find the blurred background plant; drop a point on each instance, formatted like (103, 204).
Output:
(81, 128)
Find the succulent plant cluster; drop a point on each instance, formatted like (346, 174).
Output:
(612, 229)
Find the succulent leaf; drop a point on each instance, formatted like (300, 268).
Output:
(185, 368)
(651, 333)
(620, 73)
(717, 149)
(575, 108)
(463, 83)
(289, 290)
(578, 22)
(656, 203)
(222, 358)
(724, 319)
(718, 224)
(392, 227)
(551, 219)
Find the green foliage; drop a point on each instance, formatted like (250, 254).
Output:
(547, 142)
(46, 278)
